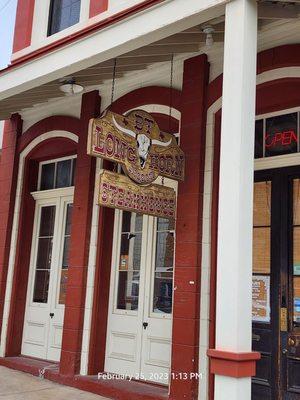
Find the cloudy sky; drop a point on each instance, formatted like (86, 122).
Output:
(7, 21)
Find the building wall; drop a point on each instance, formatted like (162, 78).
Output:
(32, 21)
(1, 133)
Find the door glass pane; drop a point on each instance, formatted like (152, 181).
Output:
(164, 262)
(261, 252)
(65, 256)
(296, 252)
(130, 261)
(44, 254)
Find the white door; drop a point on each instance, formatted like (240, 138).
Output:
(140, 308)
(43, 323)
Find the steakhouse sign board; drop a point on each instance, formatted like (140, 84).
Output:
(144, 152)
(136, 142)
(118, 191)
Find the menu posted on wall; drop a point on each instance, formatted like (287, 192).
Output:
(261, 298)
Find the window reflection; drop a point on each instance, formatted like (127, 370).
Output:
(63, 13)
(65, 257)
(44, 254)
(164, 262)
(130, 261)
(296, 252)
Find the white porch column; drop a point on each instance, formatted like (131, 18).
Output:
(234, 276)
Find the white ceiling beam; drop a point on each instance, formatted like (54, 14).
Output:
(278, 11)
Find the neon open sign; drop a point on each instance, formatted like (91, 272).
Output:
(277, 135)
(285, 138)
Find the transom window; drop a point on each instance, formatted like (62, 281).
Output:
(57, 174)
(62, 14)
(277, 135)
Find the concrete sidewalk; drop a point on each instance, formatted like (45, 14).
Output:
(15, 385)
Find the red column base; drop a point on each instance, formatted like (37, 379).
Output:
(236, 365)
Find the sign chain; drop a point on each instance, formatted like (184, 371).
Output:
(171, 91)
(113, 82)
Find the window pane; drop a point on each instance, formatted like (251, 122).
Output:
(73, 171)
(128, 290)
(130, 261)
(63, 174)
(259, 138)
(163, 291)
(261, 250)
(296, 202)
(164, 251)
(63, 13)
(63, 286)
(281, 135)
(261, 311)
(41, 286)
(296, 317)
(262, 204)
(47, 176)
(164, 262)
(65, 262)
(69, 219)
(65, 258)
(44, 254)
(47, 221)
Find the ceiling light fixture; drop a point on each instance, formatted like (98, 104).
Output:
(70, 87)
(208, 30)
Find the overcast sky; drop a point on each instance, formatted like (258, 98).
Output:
(7, 22)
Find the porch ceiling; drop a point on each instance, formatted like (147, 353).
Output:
(189, 41)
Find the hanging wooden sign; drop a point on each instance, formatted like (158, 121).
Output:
(136, 142)
(118, 191)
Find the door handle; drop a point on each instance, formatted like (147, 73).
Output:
(291, 342)
(51, 315)
(145, 324)
(284, 351)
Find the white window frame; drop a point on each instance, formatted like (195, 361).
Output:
(55, 160)
(41, 22)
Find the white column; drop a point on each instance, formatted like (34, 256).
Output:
(234, 275)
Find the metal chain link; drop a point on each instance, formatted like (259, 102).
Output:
(171, 90)
(113, 82)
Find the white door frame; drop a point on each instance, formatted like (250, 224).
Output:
(58, 198)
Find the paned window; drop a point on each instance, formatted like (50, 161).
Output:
(63, 13)
(57, 174)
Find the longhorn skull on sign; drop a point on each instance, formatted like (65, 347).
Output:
(136, 142)
(143, 142)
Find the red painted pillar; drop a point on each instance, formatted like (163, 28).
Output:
(80, 239)
(8, 184)
(23, 25)
(185, 341)
(97, 7)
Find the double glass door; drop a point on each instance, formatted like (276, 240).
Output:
(276, 284)
(141, 292)
(43, 323)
